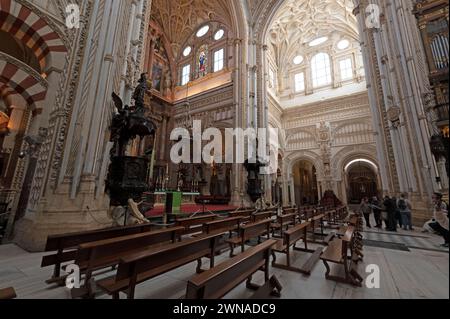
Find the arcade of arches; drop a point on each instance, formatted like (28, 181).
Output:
(356, 107)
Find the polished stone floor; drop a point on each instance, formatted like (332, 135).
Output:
(417, 273)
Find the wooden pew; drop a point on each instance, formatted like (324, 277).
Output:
(65, 246)
(283, 221)
(314, 220)
(220, 280)
(7, 293)
(222, 225)
(290, 239)
(246, 214)
(261, 216)
(105, 253)
(290, 210)
(194, 224)
(247, 232)
(139, 267)
(337, 252)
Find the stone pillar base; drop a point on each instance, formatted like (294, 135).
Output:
(237, 201)
(421, 212)
(31, 232)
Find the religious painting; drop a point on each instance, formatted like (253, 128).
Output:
(157, 75)
(203, 61)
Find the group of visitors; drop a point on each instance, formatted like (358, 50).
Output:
(392, 211)
(397, 212)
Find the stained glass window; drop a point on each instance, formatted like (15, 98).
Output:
(203, 61)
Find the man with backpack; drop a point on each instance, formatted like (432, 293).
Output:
(404, 206)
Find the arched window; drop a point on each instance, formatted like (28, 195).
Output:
(321, 70)
(299, 82)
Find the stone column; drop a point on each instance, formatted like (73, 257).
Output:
(396, 86)
(388, 176)
(237, 169)
(73, 163)
(265, 124)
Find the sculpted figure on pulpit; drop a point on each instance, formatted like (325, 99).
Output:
(139, 93)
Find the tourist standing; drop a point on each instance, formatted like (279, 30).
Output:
(404, 206)
(398, 217)
(390, 208)
(376, 209)
(440, 213)
(365, 210)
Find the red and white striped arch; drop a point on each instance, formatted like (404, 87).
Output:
(16, 80)
(32, 30)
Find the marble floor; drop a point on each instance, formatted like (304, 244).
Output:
(417, 273)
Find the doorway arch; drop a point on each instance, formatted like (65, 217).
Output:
(304, 174)
(361, 180)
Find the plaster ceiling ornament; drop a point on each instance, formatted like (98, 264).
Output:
(181, 18)
(302, 23)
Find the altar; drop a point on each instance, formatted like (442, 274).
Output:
(174, 200)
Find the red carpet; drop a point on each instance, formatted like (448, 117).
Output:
(190, 209)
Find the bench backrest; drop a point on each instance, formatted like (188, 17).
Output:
(287, 218)
(188, 223)
(292, 235)
(71, 240)
(227, 223)
(289, 211)
(115, 247)
(61, 243)
(243, 213)
(218, 281)
(160, 260)
(309, 213)
(255, 229)
(348, 235)
(261, 216)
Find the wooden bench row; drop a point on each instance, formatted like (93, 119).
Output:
(65, 245)
(99, 250)
(347, 239)
(216, 282)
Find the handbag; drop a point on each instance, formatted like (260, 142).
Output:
(384, 216)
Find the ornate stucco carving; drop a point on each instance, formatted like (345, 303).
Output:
(393, 114)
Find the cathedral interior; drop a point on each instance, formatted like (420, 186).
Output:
(356, 89)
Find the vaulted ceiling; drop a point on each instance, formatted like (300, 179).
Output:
(180, 18)
(298, 22)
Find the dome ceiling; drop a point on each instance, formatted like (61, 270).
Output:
(181, 18)
(298, 22)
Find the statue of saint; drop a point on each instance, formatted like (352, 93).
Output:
(139, 93)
